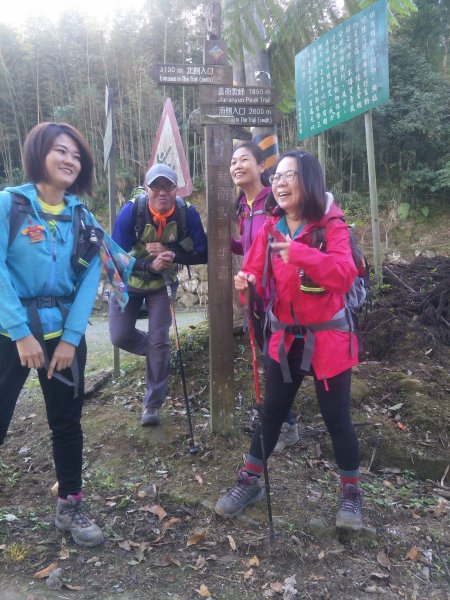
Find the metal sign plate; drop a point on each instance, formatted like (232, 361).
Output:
(166, 74)
(344, 73)
(238, 95)
(252, 116)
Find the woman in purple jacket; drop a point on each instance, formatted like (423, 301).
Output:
(247, 169)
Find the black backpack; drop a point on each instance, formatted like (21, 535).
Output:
(87, 238)
(356, 296)
(141, 216)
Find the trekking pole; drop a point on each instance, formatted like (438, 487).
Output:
(193, 449)
(250, 294)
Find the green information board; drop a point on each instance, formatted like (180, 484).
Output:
(344, 73)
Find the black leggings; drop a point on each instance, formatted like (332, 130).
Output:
(334, 406)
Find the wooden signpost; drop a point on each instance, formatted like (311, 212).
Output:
(221, 105)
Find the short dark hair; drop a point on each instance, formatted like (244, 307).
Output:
(311, 183)
(38, 144)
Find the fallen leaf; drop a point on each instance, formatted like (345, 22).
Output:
(276, 586)
(199, 479)
(413, 554)
(171, 522)
(383, 559)
(201, 562)
(203, 591)
(248, 574)
(141, 551)
(388, 484)
(253, 562)
(196, 537)
(45, 572)
(74, 588)
(125, 545)
(321, 555)
(9, 518)
(374, 589)
(64, 552)
(156, 509)
(54, 489)
(396, 406)
(414, 515)
(401, 426)
(232, 543)
(163, 561)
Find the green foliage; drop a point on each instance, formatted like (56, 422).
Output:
(396, 8)
(249, 25)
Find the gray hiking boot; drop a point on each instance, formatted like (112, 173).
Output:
(288, 437)
(349, 515)
(69, 517)
(247, 490)
(150, 416)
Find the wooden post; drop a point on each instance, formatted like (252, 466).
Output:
(373, 198)
(220, 299)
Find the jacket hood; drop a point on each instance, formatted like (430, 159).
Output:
(332, 211)
(29, 190)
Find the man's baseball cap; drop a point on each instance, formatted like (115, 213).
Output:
(160, 170)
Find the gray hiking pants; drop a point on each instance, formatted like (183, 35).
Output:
(153, 344)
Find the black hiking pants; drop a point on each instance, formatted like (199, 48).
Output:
(63, 410)
(334, 406)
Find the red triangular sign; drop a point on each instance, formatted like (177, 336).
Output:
(168, 149)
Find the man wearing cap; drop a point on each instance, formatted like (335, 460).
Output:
(162, 231)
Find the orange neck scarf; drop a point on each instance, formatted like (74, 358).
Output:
(160, 219)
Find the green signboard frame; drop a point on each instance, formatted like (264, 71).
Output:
(344, 73)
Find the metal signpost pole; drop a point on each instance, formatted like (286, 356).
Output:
(373, 197)
(109, 159)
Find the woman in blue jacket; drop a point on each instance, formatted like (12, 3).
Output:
(48, 285)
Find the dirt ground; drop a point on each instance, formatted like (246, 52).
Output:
(155, 501)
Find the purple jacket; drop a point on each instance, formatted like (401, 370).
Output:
(250, 222)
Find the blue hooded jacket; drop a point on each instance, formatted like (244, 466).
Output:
(43, 268)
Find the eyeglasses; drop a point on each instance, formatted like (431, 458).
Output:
(287, 176)
(158, 187)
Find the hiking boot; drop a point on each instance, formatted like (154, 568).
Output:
(349, 515)
(288, 437)
(69, 517)
(247, 490)
(150, 416)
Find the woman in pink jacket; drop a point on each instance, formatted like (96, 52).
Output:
(311, 327)
(248, 171)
